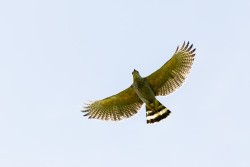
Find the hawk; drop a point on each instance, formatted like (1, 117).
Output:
(145, 89)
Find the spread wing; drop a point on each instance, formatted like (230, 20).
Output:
(174, 72)
(116, 107)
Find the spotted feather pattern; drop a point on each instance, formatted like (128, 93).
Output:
(116, 107)
(174, 72)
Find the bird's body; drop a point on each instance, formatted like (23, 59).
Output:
(155, 111)
(144, 90)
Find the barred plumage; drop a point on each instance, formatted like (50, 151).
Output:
(156, 112)
(174, 72)
(116, 107)
(143, 90)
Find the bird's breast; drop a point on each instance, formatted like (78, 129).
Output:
(144, 91)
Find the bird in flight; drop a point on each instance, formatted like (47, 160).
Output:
(145, 89)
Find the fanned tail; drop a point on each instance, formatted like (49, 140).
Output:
(155, 112)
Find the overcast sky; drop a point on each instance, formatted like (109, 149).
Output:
(56, 55)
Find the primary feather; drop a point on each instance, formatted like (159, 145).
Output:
(174, 72)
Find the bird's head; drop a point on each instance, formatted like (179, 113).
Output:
(136, 74)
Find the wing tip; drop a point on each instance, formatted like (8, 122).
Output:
(177, 49)
(183, 45)
(186, 47)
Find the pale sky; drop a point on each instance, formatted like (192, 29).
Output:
(57, 55)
